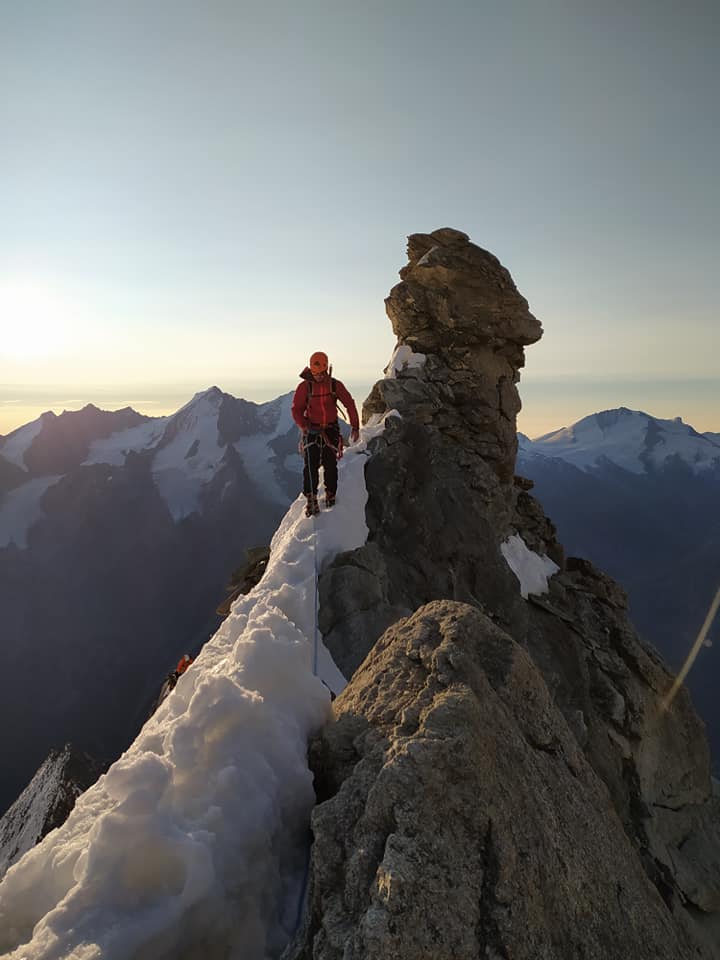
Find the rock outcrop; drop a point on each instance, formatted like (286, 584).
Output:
(458, 306)
(46, 802)
(245, 577)
(440, 482)
(462, 818)
(574, 721)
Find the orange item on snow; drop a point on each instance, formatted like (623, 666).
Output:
(184, 663)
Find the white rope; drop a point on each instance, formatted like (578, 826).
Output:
(316, 633)
(690, 660)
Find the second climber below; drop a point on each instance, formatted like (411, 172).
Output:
(314, 410)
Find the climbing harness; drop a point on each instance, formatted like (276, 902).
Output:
(306, 442)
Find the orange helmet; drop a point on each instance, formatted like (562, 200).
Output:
(319, 362)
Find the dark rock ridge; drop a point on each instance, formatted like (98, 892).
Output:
(11, 476)
(245, 577)
(46, 802)
(657, 531)
(64, 441)
(499, 780)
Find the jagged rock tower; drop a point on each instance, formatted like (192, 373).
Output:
(498, 780)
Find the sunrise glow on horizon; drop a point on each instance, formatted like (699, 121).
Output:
(171, 222)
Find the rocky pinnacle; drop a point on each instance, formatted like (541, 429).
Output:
(459, 306)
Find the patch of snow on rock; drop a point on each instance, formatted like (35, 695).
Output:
(195, 841)
(426, 258)
(403, 358)
(21, 508)
(532, 570)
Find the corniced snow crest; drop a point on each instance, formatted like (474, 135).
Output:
(532, 570)
(195, 841)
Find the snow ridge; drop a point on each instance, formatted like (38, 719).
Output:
(197, 836)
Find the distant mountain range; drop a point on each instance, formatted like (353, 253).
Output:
(640, 497)
(630, 439)
(118, 534)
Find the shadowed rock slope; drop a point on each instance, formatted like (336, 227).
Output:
(464, 820)
(499, 779)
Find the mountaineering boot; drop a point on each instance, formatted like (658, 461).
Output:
(329, 499)
(311, 507)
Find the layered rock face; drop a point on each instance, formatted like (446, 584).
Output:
(440, 482)
(500, 763)
(464, 820)
(458, 305)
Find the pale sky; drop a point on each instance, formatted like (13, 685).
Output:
(197, 193)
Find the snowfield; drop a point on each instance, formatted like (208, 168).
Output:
(195, 841)
(115, 448)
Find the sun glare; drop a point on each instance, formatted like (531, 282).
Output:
(34, 320)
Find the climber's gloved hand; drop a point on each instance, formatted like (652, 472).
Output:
(354, 436)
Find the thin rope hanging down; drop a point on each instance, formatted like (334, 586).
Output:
(690, 660)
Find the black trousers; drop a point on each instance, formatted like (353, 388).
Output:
(321, 449)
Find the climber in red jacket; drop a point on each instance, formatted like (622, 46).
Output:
(314, 410)
(183, 664)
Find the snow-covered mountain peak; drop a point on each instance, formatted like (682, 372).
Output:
(203, 405)
(213, 396)
(186, 451)
(631, 439)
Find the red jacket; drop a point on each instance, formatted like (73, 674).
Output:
(184, 663)
(314, 406)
